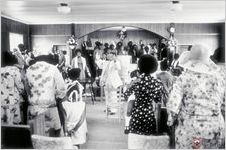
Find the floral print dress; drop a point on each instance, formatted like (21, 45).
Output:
(147, 90)
(196, 99)
(11, 89)
(45, 84)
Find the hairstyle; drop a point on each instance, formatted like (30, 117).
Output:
(164, 65)
(78, 51)
(146, 48)
(130, 43)
(106, 44)
(134, 73)
(21, 47)
(51, 59)
(135, 47)
(74, 73)
(189, 47)
(176, 56)
(113, 52)
(147, 64)
(199, 53)
(8, 59)
(64, 52)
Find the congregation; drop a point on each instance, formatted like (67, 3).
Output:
(42, 89)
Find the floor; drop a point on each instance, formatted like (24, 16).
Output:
(103, 133)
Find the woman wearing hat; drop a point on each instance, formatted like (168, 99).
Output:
(196, 101)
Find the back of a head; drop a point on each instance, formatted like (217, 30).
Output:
(176, 56)
(147, 64)
(74, 73)
(199, 53)
(8, 59)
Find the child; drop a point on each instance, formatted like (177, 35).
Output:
(74, 108)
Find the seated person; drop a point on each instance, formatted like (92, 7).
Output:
(74, 110)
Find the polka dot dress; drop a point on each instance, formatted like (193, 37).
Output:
(146, 91)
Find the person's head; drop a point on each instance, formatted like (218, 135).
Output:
(199, 53)
(109, 56)
(164, 65)
(21, 47)
(142, 46)
(106, 45)
(134, 74)
(112, 46)
(154, 45)
(176, 56)
(130, 43)
(8, 59)
(61, 52)
(135, 47)
(64, 52)
(78, 53)
(146, 48)
(147, 64)
(74, 73)
(50, 58)
(113, 55)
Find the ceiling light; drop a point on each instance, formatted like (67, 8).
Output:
(64, 8)
(176, 6)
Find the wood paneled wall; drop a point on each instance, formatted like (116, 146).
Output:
(8, 25)
(210, 34)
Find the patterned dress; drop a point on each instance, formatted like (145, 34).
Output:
(45, 85)
(146, 91)
(11, 89)
(196, 99)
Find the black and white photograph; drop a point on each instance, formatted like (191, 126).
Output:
(112, 74)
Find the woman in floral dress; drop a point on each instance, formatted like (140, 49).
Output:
(12, 88)
(196, 101)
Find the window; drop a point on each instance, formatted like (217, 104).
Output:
(14, 40)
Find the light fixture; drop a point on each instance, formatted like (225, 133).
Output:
(64, 8)
(176, 6)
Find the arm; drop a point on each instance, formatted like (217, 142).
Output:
(60, 86)
(175, 99)
(18, 81)
(130, 91)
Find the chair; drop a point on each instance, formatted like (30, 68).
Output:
(16, 137)
(119, 107)
(44, 142)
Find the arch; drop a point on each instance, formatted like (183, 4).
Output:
(85, 29)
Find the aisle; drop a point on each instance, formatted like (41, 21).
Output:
(102, 133)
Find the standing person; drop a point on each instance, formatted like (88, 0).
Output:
(62, 60)
(46, 89)
(80, 62)
(147, 90)
(166, 78)
(12, 89)
(111, 80)
(196, 101)
(154, 50)
(75, 110)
